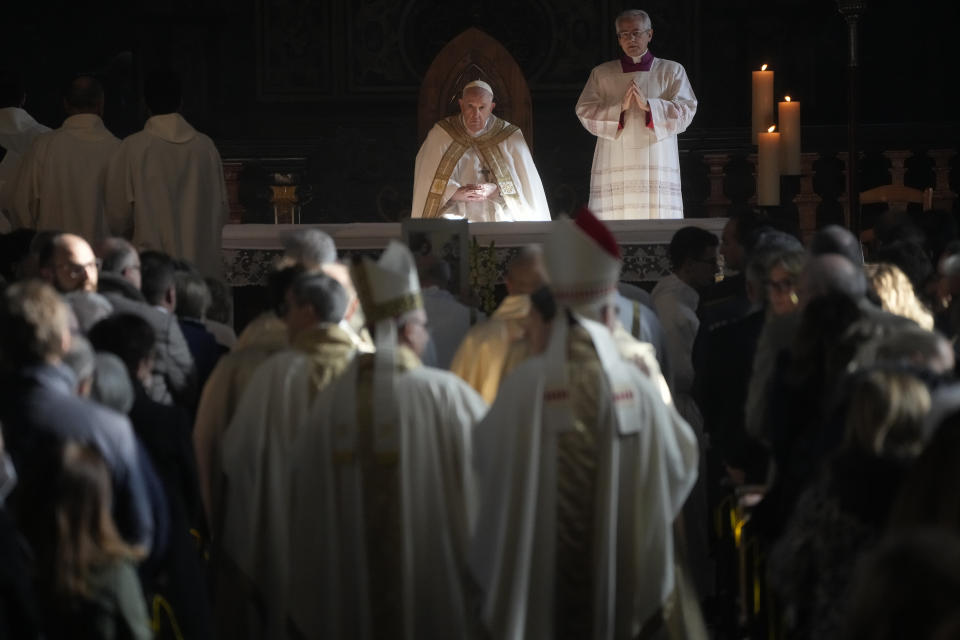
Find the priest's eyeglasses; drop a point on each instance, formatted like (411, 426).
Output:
(75, 270)
(632, 35)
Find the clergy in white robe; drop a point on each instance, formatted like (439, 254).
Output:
(165, 187)
(257, 448)
(61, 178)
(17, 132)
(382, 490)
(476, 166)
(492, 349)
(636, 106)
(582, 469)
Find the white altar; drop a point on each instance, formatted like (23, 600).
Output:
(249, 249)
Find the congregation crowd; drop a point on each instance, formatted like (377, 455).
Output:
(558, 473)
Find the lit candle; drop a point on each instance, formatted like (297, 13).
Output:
(762, 101)
(788, 115)
(768, 167)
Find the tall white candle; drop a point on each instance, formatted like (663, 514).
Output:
(762, 102)
(768, 168)
(788, 117)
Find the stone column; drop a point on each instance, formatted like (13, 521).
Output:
(897, 169)
(717, 203)
(943, 197)
(807, 200)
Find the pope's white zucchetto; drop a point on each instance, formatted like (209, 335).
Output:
(478, 84)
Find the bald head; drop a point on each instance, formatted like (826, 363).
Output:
(831, 273)
(526, 272)
(69, 265)
(84, 94)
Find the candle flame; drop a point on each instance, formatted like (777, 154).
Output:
(771, 128)
(787, 98)
(763, 67)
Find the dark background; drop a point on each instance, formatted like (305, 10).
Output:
(336, 82)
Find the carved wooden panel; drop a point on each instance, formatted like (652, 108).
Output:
(295, 49)
(474, 55)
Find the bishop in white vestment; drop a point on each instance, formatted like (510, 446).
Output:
(636, 106)
(257, 447)
(492, 349)
(382, 489)
(165, 186)
(477, 166)
(582, 469)
(61, 178)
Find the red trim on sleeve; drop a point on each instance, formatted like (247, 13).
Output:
(649, 119)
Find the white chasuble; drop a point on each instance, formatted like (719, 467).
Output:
(581, 470)
(61, 179)
(165, 190)
(256, 450)
(18, 129)
(636, 167)
(379, 535)
(445, 163)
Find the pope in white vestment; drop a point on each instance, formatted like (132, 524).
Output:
(476, 166)
(382, 489)
(61, 178)
(165, 190)
(636, 106)
(582, 469)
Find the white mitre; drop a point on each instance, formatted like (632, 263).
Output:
(389, 287)
(583, 260)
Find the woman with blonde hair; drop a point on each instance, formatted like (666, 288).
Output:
(896, 293)
(844, 510)
(86, 577)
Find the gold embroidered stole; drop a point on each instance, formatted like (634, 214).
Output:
(488, 146)
(382, 506)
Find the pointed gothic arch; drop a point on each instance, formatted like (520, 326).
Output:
(474, 55)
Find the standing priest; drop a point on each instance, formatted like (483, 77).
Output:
(582, 469)
(476, 166)
(381, 484)
(636, 106)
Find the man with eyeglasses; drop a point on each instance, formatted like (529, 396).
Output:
(67, 262)
(636, 106)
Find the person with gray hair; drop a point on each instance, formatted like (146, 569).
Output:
(80, 358)
(257, 446)
(636, 106)
(60, 182)
(119, 260)
(477, 167)
(309, 247)
(111, 384)
(88, 308)
(193, 300)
